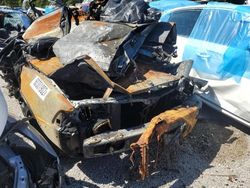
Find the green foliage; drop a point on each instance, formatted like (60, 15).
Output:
(9, 2)
(39, 3)
(15, 3)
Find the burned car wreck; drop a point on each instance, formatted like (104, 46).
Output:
(102, 87)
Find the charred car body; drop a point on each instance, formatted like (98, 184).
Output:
(102, 87)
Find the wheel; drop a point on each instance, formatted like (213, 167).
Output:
(43, 171)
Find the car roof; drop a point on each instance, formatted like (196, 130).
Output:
(9, 10)
(186, 8)
(222, 6)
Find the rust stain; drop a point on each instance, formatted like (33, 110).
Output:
(99, 71)
(99, 23)
(81, 18)
(43, 25)
(48, 107)
(152, 73)
(144, 77)
(158, 126)
(151, 78)
(46, 24)
(45, 110)
(47, 66)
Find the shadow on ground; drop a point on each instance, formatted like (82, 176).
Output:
(185, 164)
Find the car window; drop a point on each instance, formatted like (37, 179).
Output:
(26, 21)
(185, 20)
(218, 26)
(13, 19)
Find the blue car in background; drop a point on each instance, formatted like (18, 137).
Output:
(11, 23)
(216, 37)
(15, 18)
(164, 5)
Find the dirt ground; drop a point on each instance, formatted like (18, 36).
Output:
(216, 154)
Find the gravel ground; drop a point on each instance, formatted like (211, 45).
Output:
(216, 154)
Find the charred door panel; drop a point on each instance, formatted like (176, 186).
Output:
(45, 100)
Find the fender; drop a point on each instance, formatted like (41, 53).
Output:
(30, 132)
(22, 127)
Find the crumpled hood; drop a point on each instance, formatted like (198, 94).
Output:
(96, 39)
(115, 46)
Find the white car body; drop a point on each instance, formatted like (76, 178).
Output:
(3, 113)
(225, 95)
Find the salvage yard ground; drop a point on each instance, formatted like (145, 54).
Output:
(216, 154)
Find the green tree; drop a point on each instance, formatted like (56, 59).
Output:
(39, 3)
(9, 2)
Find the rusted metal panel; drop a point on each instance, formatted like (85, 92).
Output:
(146, 77)
(97, 68)
(48, 25)
(46, 104)
(158, 126)
(127, 136)
(151, 78)
(47, 66)
(43, 25)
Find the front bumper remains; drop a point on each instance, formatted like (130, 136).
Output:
(116, 141)
(178, 122)
(111, 142)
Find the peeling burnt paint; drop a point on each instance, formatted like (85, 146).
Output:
(43, 25)
(45, 110)
(48, 25)
(47, 66)
(158, 126)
